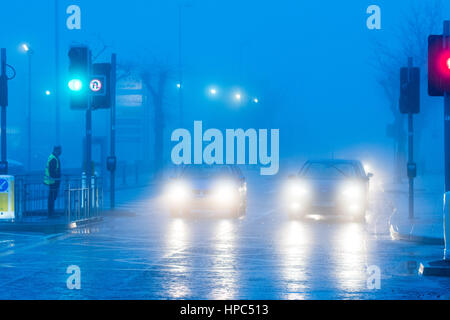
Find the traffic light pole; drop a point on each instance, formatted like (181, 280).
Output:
(4, 104)
(113, 131)
(446, 45)
(89, 140)
(438, 87)
(447, 115)
(410, 152)
(410, 160)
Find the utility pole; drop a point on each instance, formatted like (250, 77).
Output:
(3, 103)
(57, 79)
(29, 53)
(180, 66)
(112, 161)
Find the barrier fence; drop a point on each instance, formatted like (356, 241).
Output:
(76, 200)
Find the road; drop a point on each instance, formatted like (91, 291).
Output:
(263, 256)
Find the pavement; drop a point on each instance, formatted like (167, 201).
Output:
(264, 255)
(427, 225)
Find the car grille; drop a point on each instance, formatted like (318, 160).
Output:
(201, 193)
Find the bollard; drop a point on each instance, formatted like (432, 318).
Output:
(447, 226)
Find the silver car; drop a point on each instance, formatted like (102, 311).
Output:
(329, 187)
(215, 188)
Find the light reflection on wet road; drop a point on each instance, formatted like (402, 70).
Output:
(263, 256)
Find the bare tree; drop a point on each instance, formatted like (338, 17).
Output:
(154, 78)
(410, 39)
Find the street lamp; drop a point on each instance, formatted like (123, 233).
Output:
(238, 96)
(180, 61)
(27, 49)
(255, 100)
(47, 92)
(213, 91)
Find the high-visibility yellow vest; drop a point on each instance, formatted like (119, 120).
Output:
(47, 178)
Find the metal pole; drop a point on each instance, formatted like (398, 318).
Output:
(57, 84)
(446, 39)
(4, 169)
(411, 160)
(447, 116)
(180, 66)
(29, 113)
(113, 130)
(410, 149)
(89, 141)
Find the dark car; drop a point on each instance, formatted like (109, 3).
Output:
(327, 187)
(210, 188)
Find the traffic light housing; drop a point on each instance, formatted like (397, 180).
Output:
(79, 63)
(438, 66)
(101, 99)
(410, 90)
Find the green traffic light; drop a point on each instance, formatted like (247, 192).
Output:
(75, 85)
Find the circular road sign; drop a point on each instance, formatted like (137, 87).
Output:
(95, 85)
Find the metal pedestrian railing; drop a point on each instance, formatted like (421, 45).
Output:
(82, 202)
(76, 200)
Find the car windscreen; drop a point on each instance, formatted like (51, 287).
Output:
(329, 170)
(205, 172)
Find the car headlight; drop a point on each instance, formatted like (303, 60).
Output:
(225, 192)
(178, 192)
(297, 190)
(353, 192)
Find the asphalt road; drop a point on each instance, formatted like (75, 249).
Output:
(262, 256)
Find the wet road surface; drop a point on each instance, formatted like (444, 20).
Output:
(262, 256)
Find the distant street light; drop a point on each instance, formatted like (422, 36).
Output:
(26, 48)
(238, 96)
(179, 85)
(255, 100)
(47, 92)
(213, 91)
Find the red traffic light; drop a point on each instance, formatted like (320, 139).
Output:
(443, 63)
(438, 66)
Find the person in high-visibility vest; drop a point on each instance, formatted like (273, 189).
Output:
(52, 178)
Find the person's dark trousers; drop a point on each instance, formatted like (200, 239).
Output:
(52, 195)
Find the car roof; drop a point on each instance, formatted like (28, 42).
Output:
(334, 161)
